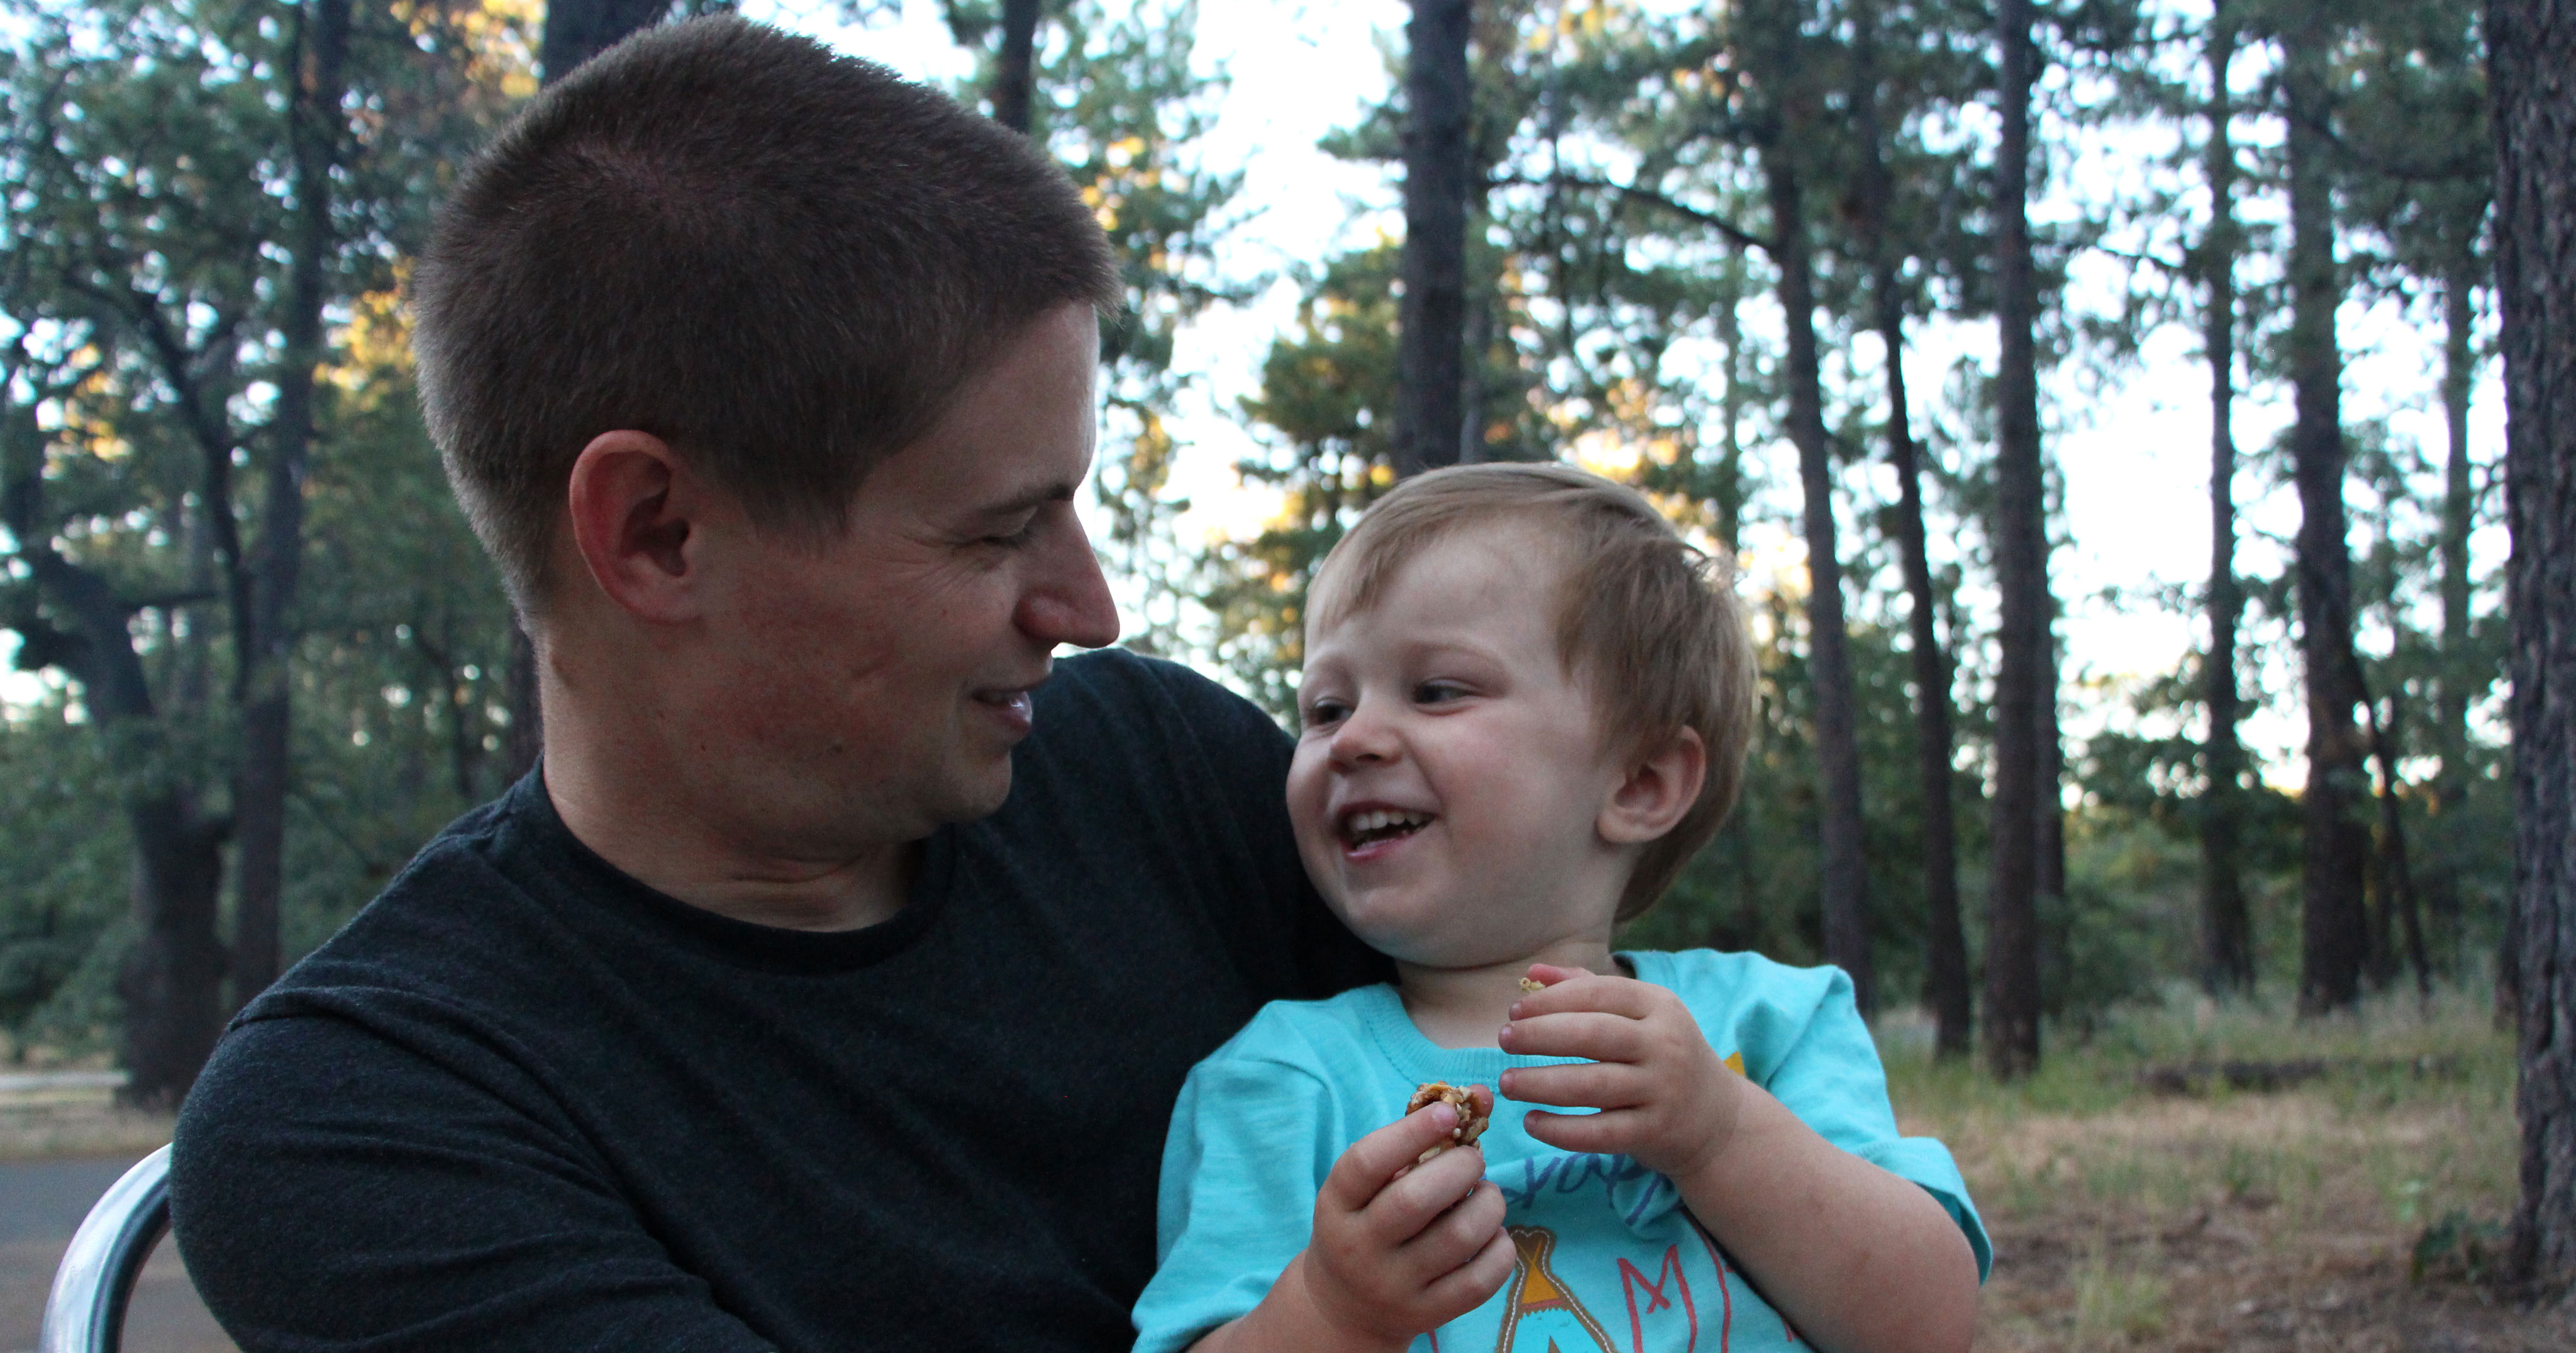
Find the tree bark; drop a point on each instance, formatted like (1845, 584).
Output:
(1842, 867)
(2532, 47)
(1015, 67)
(1730, 478)
(1945, 978)
(314, 135)
(577, 30)
(2395, 873)
(2227, 924)
(2451, 692)
(2336, 843)
(171, 980)
(1432, 314)
(2021, 563)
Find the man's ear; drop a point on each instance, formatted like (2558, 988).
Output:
(635, 519)
(1657, 791)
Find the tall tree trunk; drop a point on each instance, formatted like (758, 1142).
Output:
(2395, 873)
(314, 133)
(2532, 47)
(2336, 844)
(2451, 691)
(2226, 922)
(1945, 978)
(1432, 314)
(172, 978)
(1015, 70)
(2048, 833)
(2021, 563)
(1844, 871)
(1730, 476)
(577, 30)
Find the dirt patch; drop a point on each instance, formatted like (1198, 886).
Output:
(2286, 1221)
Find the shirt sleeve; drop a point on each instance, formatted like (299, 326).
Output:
(1830, 1076)
(332, 1191)
(1247, 1153)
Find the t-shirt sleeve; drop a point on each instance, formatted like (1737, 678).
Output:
(1246, 1154)
(333, 1191)
(1828, 1073)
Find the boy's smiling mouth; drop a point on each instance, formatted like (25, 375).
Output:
(1363, 829)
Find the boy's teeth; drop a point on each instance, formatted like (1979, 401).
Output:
(1382, 819)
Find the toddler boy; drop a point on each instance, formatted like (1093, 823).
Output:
(1525, 706)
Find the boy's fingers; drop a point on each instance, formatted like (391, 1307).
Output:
(1609, 995)
(1407, 1207)
(1467, 1286)
(1580, 1033)
(1585, 1085)
(1454, 1237)
(1603, 1132)
(1376, 1158)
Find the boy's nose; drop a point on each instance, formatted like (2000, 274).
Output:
(1363, 739)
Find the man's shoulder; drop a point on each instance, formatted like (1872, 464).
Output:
(1122, 684)
(1130, 733)
(450, 921)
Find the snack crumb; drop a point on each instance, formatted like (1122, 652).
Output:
(1532, 984)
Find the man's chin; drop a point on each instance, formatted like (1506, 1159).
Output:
(981, 795)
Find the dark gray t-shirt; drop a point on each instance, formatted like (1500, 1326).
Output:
(523, 1101)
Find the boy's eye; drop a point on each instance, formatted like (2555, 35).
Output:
(1324, 713)
(1436, 692)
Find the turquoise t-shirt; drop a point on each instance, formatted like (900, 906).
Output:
(1609, 1259)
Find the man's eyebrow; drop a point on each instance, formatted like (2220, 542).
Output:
(1030, 500)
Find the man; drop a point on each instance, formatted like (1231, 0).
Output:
(830, 984)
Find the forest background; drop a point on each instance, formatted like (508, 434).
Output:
(260, 659)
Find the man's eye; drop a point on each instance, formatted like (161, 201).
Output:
(1015, 539)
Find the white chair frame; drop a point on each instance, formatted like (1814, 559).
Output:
(86, 1313)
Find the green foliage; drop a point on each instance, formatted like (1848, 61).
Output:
(142, 305)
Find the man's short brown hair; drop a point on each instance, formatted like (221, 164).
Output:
(1649, 624)
(780, 261)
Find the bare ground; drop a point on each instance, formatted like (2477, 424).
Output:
(2291, 1220)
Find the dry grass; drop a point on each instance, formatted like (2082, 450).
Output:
(84, 1121)
(2128, 1219)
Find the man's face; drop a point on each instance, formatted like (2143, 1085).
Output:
(871, 686)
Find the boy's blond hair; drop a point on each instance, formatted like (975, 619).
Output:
(1648, 623)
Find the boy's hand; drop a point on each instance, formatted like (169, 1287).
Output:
(1399, 1249)
(1666, 1100)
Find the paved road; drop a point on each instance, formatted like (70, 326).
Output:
(41, 1204)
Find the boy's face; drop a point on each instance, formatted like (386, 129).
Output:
(1449, 783)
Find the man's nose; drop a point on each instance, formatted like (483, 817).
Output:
(1068, 599)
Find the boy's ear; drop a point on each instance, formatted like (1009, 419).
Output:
(1657, 791)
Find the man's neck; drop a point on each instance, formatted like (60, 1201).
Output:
(682, 860)
(618, 791)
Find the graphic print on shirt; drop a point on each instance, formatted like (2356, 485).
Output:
(1607, 1260)
(1540, 1313)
